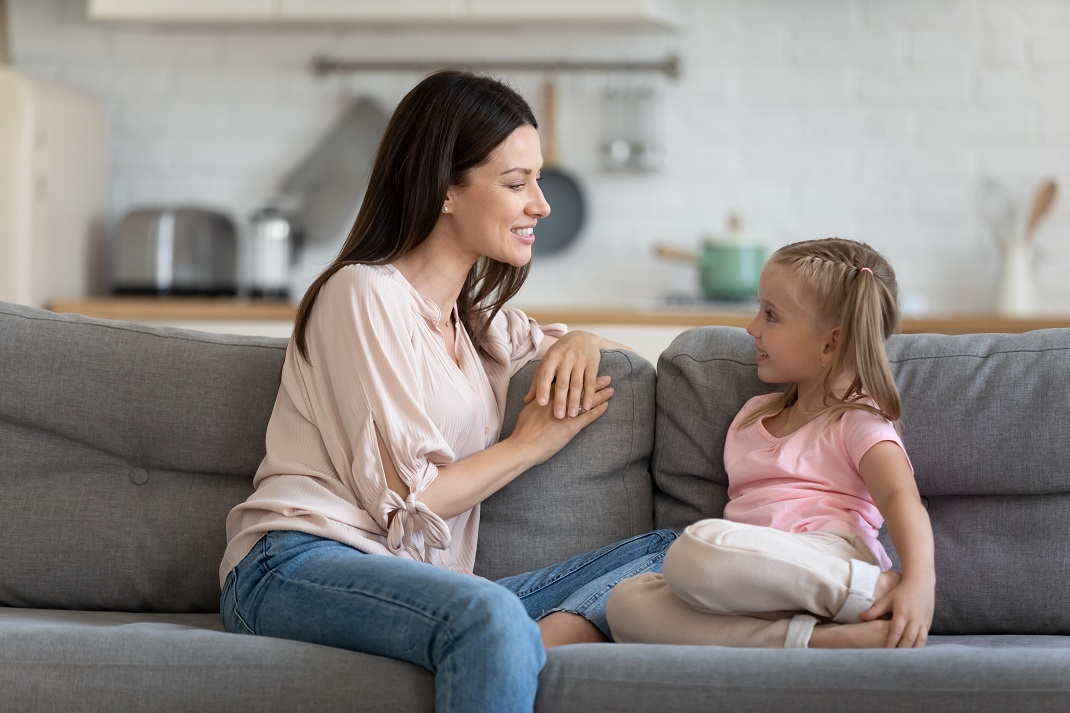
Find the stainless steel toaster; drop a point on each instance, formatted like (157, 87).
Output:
(175, 251)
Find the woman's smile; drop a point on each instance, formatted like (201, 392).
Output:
(525, 235)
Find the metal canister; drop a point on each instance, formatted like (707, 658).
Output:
(270, 254)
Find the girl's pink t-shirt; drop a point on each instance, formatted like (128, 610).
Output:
(808, 480)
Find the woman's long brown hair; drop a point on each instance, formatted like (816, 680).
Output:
(445, 126)
(832, 280)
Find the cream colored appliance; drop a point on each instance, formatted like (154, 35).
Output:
(53, 191)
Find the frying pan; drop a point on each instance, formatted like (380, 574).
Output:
(567, 207)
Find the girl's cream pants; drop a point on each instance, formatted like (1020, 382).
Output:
(729, 584)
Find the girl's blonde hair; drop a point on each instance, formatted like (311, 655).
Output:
(845, 283)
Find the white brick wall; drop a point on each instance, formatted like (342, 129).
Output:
(871, 119)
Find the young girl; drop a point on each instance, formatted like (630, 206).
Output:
(812, 473)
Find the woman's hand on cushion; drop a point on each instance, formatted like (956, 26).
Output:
(542, 434)
(567, 376)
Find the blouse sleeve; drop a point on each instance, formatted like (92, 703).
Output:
(523, 336)
(363, 365)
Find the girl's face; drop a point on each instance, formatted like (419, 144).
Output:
(495, 214)
(792, 345)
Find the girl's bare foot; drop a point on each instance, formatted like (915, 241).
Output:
(866, 635)
(560, 628)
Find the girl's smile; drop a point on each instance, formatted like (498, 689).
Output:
(790, 346)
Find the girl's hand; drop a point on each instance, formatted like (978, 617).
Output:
(542, 434)
(911, 604)
(566, 379)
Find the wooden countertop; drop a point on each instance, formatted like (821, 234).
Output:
(181, 309)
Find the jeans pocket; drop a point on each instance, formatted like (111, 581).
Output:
(228, 606)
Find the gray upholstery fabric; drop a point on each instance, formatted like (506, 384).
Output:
(704, 378)
(137, 441)
(951, 678)
(105, 661)
(984, 424)
(124, 447)
(596, 491)
(99, 662)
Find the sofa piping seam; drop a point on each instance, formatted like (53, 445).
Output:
(101, 324)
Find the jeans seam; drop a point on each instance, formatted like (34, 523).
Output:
(544, 584)
(232, 593)
(271, 571)
(636, 570)
(241, 619)
(442, 623)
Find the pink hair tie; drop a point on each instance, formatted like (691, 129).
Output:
(865, 269)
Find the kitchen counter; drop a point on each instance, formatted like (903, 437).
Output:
(166, 310)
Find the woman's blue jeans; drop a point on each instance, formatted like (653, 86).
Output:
(478, 637)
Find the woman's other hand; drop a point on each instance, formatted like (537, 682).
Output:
(541, 433)
(536, 436)
(567, 376)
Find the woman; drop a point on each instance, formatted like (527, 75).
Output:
(362, 530)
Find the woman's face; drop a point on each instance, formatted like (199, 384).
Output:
(496, 213)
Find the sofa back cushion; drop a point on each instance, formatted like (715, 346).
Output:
(123, 447)
(984, 423)
(596, 491)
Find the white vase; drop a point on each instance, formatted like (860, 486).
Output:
(1016, 289)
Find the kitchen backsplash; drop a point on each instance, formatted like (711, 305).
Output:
(869, 119)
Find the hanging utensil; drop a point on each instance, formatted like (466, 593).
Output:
(998, 209)
(1042, 202)
(5, 41)
(561, 190)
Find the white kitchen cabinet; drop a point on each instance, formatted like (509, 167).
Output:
(661, 13)
(650, 13)
(182, 10)
(372, 10)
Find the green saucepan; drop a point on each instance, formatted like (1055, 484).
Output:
(727, 271)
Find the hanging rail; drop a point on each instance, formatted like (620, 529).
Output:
(670, 66)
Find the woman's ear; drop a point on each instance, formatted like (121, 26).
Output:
(447, 202)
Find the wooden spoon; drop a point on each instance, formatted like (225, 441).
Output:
(1042, 201)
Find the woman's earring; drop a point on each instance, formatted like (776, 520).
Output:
(445, 208)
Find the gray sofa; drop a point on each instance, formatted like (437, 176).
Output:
(122, 447)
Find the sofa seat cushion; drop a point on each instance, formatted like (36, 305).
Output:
(52, 660)
(953, 675)
(90, 661)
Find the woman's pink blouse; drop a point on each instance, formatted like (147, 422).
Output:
(376, 361)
